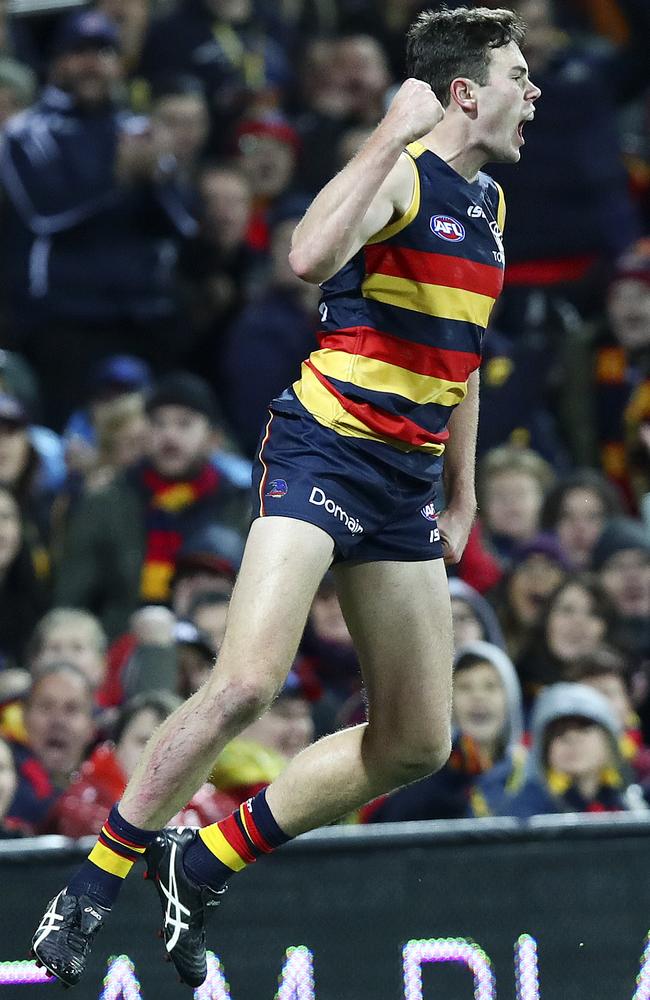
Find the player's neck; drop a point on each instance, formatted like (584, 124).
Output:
(453, 147)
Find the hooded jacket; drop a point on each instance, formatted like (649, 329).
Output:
(447, 794)
(461, 591)
(552, 792)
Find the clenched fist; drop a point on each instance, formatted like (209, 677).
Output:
(413, 111)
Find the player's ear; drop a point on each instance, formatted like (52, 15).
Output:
(463, 93)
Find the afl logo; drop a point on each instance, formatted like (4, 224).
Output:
(429, 512)
(447, 228)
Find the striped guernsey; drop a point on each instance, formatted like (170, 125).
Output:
(403, 320)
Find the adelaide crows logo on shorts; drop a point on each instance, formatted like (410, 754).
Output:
(277, 488)
(447, 228)
(429, 512)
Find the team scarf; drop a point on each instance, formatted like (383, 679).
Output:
(174, 509)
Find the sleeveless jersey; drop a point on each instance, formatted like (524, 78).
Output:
(403, 320)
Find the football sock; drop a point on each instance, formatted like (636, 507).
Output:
(117, 849)
(233, 843)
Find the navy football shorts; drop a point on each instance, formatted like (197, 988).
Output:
(372, 510)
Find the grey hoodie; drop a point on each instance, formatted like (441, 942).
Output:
(482, 609)
(559, 701)
(503, 665)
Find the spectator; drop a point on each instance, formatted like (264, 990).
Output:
(573, 158)
(364, 77)
(606, 671)
(180, 109)
(268, 341)
(17, 88)
(208, 560)
(323, 116)
(287, 727)
(70, 635)
(83, 807)
(621, 558)
(576, 510)
(512, 484)
(8, 783)
(575, 760)
(222, 45)
(267, 153)
(208, 612)
(520, 598)
(196, 656)
(132, 20)
(327, 646)
(487, 716)
(122, 541)
(473, 617)
(220, 268)
(23, 596)
(578, 618)
(91, 191)
(60, 728)
(621, 371)
(111, 378)
(23, 472)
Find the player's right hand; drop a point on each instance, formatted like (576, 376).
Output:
(413, 111)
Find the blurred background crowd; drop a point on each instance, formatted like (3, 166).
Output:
(154, 159)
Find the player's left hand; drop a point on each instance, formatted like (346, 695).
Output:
(455, 525)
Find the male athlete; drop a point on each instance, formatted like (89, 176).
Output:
(406, 244)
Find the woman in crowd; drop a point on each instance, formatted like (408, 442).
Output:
(578, 618)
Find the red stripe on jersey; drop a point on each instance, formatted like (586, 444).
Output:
(455, 366)
(434, 269)
(230, 829)
(388, 425)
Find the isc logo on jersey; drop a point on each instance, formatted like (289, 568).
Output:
(447, 228)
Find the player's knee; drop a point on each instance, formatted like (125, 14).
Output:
(242, 700)
(413, 760)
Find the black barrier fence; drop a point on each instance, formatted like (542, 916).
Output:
(558, 909)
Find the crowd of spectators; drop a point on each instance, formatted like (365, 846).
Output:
(154, 160)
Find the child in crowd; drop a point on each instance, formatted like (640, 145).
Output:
(487, 714)
(575, 763)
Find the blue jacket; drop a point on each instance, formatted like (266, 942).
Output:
(83, 248)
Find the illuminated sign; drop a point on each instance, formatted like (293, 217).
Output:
(296, 980)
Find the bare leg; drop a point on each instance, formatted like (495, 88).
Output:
(283, 564)
(400, 620)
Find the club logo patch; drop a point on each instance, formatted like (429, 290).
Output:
(277, 488)
(429, 512)
(447, 228)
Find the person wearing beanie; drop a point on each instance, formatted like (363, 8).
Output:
(101, 201)
(621, 560)
(575, 762)
(487, 742)
(122, 541)
(621, 374)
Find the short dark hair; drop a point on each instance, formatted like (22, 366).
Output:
(444, 44)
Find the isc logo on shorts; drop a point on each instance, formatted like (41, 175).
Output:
(447, 228)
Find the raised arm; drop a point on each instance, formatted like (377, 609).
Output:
(376, 185)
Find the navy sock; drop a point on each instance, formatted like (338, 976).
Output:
(233, 843)
(117, 849)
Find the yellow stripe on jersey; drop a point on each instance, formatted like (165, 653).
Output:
(432, 300)
(501, 210)
(395, 227)
(326, 410)
(380, 376)
(110, 862)
(217, 844)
